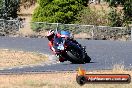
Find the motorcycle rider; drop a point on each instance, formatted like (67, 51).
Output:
(51, 35)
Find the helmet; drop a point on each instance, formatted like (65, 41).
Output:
(50, 35)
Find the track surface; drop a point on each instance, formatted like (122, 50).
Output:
(104, 54)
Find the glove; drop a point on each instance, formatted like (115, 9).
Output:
(52, 48)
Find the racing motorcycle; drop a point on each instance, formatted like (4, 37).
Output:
(69, 50)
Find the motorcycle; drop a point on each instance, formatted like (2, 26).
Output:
(69, 50)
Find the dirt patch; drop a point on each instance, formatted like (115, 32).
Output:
(11, 58)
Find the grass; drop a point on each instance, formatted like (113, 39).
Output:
(11, 58)
(56, 80)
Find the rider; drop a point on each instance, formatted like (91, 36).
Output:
(50, 35)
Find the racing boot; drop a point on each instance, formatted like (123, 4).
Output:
(61, 59)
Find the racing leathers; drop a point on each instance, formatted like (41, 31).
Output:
(51, 45)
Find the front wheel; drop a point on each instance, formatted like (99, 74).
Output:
(87, 59)
(74, 59)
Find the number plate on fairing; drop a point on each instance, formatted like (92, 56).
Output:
(60, 47)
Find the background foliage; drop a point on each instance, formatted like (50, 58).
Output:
(70, 11)
(58, 11)
(92, 17)
(9, 8)
(120, 18)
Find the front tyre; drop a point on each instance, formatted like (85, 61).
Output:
(87, 59)
(74, 59)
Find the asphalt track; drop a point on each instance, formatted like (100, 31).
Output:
(104, 54)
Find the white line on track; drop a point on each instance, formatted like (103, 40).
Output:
(48, 64)
(42, 65)
(53, 63)
(20, 67)
(31, 66)
(2, 69)
(10, 68)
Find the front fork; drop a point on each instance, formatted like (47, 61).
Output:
(84, 51)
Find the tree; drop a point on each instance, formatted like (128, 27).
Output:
(9, 8)
(62, 11)
(1, 3)
(127, 9)
(92, 17)
(115, 18)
